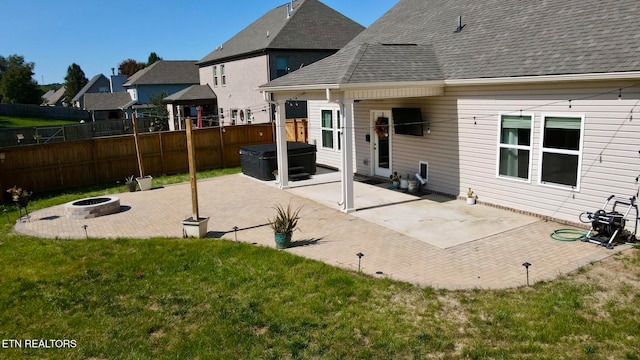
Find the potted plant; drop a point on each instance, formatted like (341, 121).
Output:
(283, 224)
(471, 197)
(395, 180)
(20, 196)
(131, 184)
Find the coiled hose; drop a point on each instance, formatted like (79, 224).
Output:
(568, 234)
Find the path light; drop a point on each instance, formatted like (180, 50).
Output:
(359, 255)
(526, 265)
(235, 233)
(85, 230)
(6, 212)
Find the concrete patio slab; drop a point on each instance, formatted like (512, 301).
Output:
(328, 235)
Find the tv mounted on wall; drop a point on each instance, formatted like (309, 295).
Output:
(407, 121)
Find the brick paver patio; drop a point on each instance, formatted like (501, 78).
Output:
(331, 236)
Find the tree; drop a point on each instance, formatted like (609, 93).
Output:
(17, 85)
(153, 57)
(159, 112)
(74, 82)
(129, 67)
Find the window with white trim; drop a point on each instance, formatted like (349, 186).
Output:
(223, 75)
(514, 146)
(215, 76)
(561, 152)
(234, 116)
(327, 129)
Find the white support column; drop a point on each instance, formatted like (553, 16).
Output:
(281, 146)
(348, 204)
(171, 120)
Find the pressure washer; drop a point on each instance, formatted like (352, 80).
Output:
(609, 223)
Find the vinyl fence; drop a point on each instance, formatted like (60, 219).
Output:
(66, 165)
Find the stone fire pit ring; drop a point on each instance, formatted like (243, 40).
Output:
(92, 207)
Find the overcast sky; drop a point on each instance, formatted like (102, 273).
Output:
(98, 35)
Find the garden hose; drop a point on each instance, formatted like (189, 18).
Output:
(568, 234)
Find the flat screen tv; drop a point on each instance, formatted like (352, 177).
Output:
(407, 121)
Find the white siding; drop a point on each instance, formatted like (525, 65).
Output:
(324, 156)
(462, 154)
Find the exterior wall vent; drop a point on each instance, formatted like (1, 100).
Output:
(423, 172)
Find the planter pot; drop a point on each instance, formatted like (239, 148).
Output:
(144, 182)
(21, 202)
(413, 186)
(282, 240)
(131, 186)
(192, 228)
(395, 184)
(471, 200)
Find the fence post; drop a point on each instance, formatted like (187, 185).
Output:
(221, 128)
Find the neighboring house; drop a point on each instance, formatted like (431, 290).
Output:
(199, 98)
(284, 39)
(97, 84)
(164, 76)
(54, 99)
(534, 105)
(108, 106)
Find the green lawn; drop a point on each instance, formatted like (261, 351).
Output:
(216, 299)
(11, 122)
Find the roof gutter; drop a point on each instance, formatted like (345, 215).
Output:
(631, 75)
(357, 86)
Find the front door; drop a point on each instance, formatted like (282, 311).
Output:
(381, 142)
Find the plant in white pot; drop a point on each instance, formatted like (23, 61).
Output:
(283, 224)
(471, 197)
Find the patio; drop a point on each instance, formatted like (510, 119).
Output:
(430, 241)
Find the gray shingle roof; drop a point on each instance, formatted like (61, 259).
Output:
(88, 86)
(166, 72)
(312, 25)
(500, 38)
(56, 96)
(194, 92)
(106, 101)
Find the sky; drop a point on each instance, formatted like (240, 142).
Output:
(99, 35)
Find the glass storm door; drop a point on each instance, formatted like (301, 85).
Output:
(381, 142)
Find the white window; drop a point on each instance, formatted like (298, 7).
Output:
(223, 75)
(514, 146)
(327, 129)
(234, 116)
(248, 114)
(561, 151)
(215, 76)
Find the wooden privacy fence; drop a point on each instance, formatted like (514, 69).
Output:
(96, 161)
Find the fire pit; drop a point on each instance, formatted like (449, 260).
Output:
(92, 207)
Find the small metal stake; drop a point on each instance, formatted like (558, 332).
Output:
(526, 265)
(235, 233)
(6, 212)
(85, 231)
(359, 255)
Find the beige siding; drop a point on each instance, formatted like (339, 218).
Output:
(242, 79)
(462, 154)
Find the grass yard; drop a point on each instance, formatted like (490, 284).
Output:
(216, 299)
(11, 122)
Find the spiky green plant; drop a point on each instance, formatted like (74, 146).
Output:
(286, 219)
